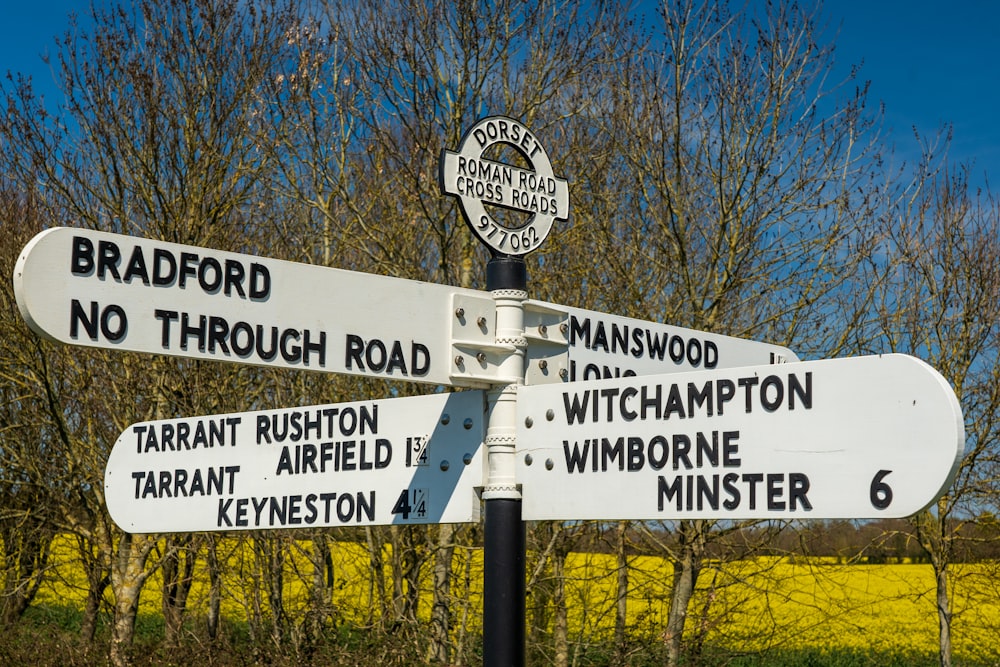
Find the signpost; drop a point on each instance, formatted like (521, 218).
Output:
(397, 461)
(588, 415)
(97, 289)
(865, 437)
(479, 183)
(573, 344)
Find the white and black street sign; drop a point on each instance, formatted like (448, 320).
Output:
(575, 344)
(119, 292)
(480, 182)
(865, 437)
(394, 461)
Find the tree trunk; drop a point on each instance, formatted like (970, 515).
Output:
(128, 575)
(214, 589)
(405, 564)
(92, 606)
(178, 575)
(440, 644)
(936, 541)
(560, 624)
(396, 566)
(98, 580)
(621, 609)
(275, 576)
(687, 565)
(944, 614)
(25, 556)
(377, 573)
(320, 605)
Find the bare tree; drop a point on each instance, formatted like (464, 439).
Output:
(938, 272)
(746, 180)
(156, 136)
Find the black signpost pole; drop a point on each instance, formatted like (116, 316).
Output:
(482, 184)
(504, 540)
(503, 584)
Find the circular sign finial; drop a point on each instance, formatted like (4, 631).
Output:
(479, 182)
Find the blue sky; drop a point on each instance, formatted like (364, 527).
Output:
(929, 62)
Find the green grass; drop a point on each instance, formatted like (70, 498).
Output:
(48, 636)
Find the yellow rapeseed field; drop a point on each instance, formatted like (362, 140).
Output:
(744, 605)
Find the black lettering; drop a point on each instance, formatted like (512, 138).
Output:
(707, 451)
(420, 360)
(293, 510)
(576, 409)
(311, 511)
(637, 347)
(267, 354)
(242, 349)
(166, 317)
(627, 413)
(667, 492)
(804, 394)
(215, 480)
(753, 479)
(611, 452)
(383, 453)
(223, 516)
(108, 257)
(656, 462)
(708, 494)
(578, 329)
(725, 390)
(729, 486)
(366, 505)
(697, 399)
(189, 267)
(774, 491)
(576, 459)
(635, 457)
(279, 511)
(610, 394)
(657, 344)
(136, 267)
(675, 404)
(619, 338)
(114, 314)
(218, 333)
(748, 383)
(197, 332)
(600, 337)
(376, 362)
(345, 508)
(78, 316)
(396, 360)
(676, 349)
(711, 354)
(82, 257)
(681, 447)
(241, 512)
(694, 352)
(654, 402)
(164, 268)
(730, 449)
(772, 404)
(180, 483)
(309, 347)
(355, 348)
(798, 487)
(290, 353)
(210, 264)
(234, 278)
(285, 462)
